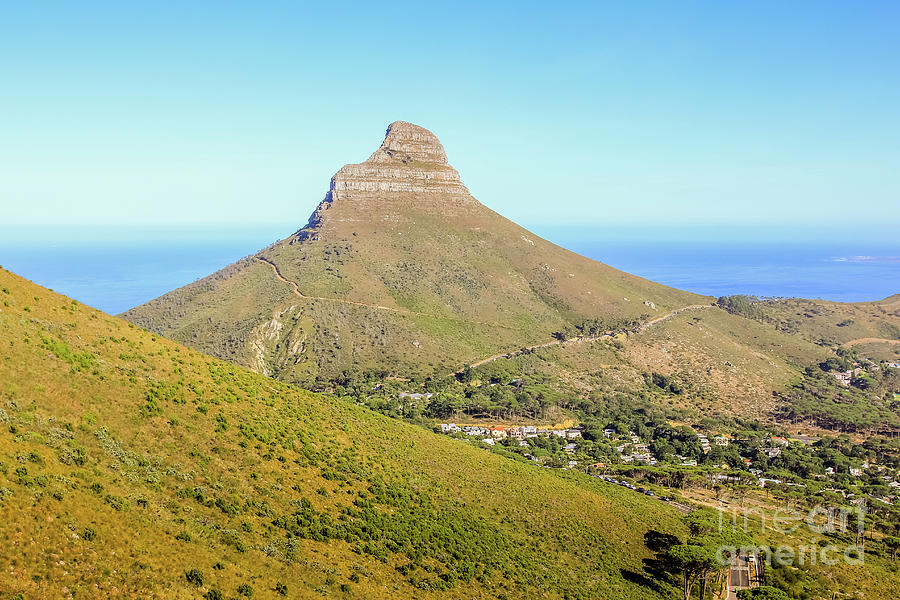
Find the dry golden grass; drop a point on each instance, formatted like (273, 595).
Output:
(109, 428)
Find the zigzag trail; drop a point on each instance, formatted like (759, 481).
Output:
(586, 338)
(297, 291)
(575, 340)
(300, 294)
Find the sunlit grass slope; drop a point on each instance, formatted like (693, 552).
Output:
(131, 466)
(836, 322)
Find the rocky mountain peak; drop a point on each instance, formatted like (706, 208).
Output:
(408, 172)
(408, 143)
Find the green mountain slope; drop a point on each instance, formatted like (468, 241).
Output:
(131, 466)
(837, 322)
(401, 269)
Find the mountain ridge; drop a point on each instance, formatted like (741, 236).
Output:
(400, 231)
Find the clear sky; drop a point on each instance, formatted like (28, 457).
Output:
(671, 114)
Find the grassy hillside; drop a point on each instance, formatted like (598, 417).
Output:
(720, 364)
(132, 466)
(399, 268)
(836, 322)
(727, 364)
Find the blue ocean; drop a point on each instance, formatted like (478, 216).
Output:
(115, 274)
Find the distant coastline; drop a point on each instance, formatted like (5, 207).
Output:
(120, 274)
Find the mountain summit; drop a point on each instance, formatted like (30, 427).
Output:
(408, 143)
(409, 170)
(399, 265)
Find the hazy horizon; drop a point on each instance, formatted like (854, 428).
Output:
(116, 268)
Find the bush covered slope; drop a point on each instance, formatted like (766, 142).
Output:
(131, 465)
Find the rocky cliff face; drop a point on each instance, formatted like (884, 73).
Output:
(409, 170)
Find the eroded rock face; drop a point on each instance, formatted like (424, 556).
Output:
(409, 171)
(406, 142)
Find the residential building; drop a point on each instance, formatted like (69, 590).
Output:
(417, 396)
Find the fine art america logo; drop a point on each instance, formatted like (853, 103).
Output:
(816, 532)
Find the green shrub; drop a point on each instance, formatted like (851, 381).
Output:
(88, 535)
(746, 306)
(213, 594)
(194, 577)
(79, 360)
(183, 536)
(245, 590)
(281, 589)
(117, 502)
(150, 409)
(73, 456)
(221, 422)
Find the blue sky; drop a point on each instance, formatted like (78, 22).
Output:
(687, 116)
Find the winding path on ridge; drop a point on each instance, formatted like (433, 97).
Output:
(585, 338)
(404, 311)
(297, 291)
(484, 361)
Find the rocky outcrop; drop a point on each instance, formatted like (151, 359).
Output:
(372, 177)
(409, 170)
(408, 143)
